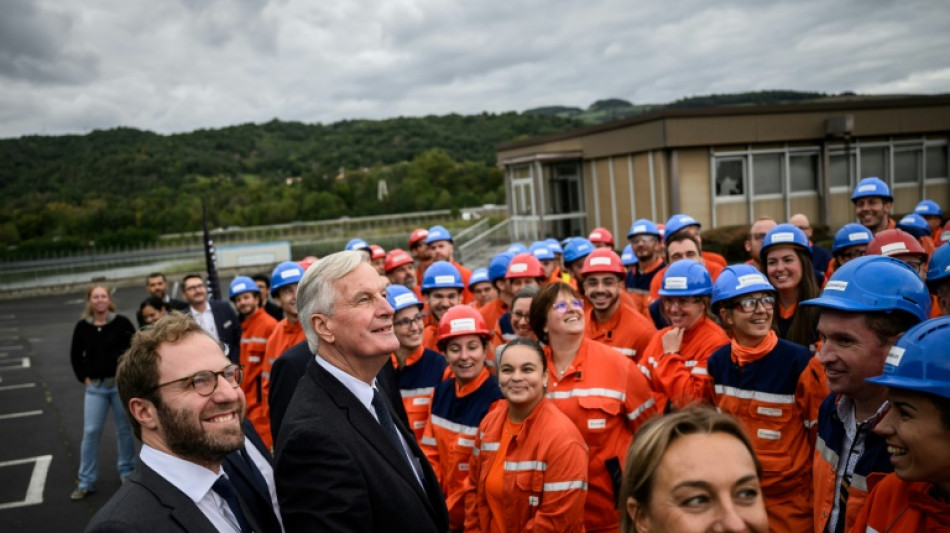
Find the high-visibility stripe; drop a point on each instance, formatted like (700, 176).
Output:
(564, 485)
(645, 370)
(253, 359)
(466, 443)
(760, 396)
(633, 415)
(491, 446)
(871, 530)
(454, 426)
(254, 340)
(629, 352)
(508, 336)
(690, 363)
(584, 393)
(811, 423)
(699, 371)
(429, 441)
(826, 453)
(266, 375)
(522, 466)
(412, 393)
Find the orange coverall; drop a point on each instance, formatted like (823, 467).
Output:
(627, 331)
(255, 330)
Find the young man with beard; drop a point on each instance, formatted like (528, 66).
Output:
(644, 238)
(872, 205)
(288, 331)
(608, 320)
(864, 308)
(256, 327)
(217, 318)
(442, 248)
(442, 288)
(184, 401)
(401, 270)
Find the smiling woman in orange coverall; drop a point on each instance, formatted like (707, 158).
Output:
(529, 470)
(598, 388)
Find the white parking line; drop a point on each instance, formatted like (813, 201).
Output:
(18, 386)
(34, 492)
(20, 415)
(24, 362)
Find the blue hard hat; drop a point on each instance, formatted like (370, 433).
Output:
(577, 248)
(736, 280)
(686, 278)
(356, 245)
(628, 258)
(438, 233)
(285, 273)
(850, 235)
(645, 227)
(939, 267)
(242, 284)
(554, 246)
(541, 251)
(678, 222)
(875, 283)
(784, 234)
(928, 208)
(400, 297)
(498, 266)
(479, 275)
(872, 186)
(441, 275)
(919, 360)
(915, 225)
(516, 248)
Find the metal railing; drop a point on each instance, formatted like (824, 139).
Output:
(474, 250)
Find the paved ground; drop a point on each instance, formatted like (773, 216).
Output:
(41, 415)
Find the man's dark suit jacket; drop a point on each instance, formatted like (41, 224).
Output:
(229, 328)
(292, 365)
(256, 498)
(148, 502)
(337, 471)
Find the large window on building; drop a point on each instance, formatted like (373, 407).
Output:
(838, 170)
(730, 177)
(937, 162)
(874, 162)
(767, 175)
(907, 165)
(803, 172)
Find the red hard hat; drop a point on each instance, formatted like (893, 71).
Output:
(418, 234)
(524, 266)
(376, 251)
(662, 228)
(602, 260)
(307, 262)
(462, 320)
(602, 236)
(895, 242)
(395, 259)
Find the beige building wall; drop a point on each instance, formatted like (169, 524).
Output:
(695, 187)
(841, 210)
(644, 187)
(622, 200)
(807, 205)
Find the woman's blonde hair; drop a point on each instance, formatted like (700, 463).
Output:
(652, 441)
(87, 312)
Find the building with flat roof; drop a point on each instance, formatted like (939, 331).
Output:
(728, 165)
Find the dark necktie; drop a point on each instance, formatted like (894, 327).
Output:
(389, 427)
(256, 475)
(222, 486)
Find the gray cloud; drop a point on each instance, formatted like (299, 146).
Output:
(176, 66)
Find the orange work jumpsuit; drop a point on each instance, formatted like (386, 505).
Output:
(255, 330)
(627, 331)
(544, 478)
(895, 505)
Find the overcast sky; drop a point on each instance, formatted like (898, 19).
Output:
(71, 66)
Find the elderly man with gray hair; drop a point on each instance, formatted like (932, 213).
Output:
(344, 460)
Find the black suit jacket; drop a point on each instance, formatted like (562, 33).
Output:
(287, 370)
(256, 498)
(148, 502)
(229, 328)
(337, 471)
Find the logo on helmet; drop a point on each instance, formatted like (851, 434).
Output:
(750, 279)
(894, 356)
(675, 282)
(836, 285)
(461, 325)
(595, 261)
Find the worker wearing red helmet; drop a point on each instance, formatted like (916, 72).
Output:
(420, 251)
(400, 269)
(601, 238)
(609, 320)
(459, 405)
(902, 245)
(523, 270)
(377, 258)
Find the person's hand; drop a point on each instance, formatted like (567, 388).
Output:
(672, 340)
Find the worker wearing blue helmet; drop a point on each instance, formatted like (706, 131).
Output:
(442, 248)
(938, 277)
(932, 213)
(873, 202)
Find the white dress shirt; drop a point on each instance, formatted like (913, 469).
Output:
(205, 319)
(195, 481)
(268, 474)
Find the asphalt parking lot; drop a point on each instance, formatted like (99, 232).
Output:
(41, 415)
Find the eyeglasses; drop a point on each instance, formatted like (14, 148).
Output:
(749, 305)
(561, 307)
(206, 381)
(681, 301)
(853, 253)
(194, 287)
(405, 322)
(640, 239)
(608, 282)
(916, 264)
(519, 315)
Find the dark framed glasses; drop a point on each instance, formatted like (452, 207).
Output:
(405, 322)
(749, 305)
(206, 381)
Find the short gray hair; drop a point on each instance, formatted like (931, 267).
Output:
(315, 293)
